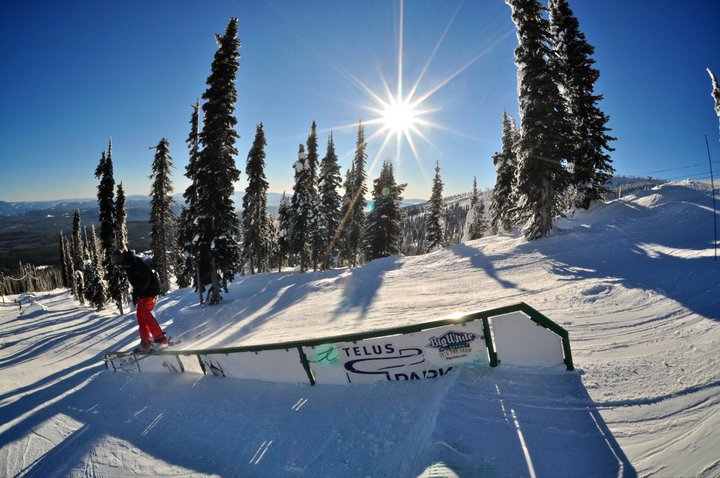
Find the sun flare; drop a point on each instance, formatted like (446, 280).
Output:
(399, 116)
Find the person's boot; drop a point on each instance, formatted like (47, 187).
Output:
(143, 347)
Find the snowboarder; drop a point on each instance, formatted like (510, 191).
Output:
(146, 288)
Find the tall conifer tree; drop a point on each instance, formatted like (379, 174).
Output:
(254, 216)
(435, 215)
(283, 231)
(78, 253)
(572, 63)
(96, 287)
(329, 209)
(302, 209)
(383, 233)
(316, 239)
(106, 200)
(188, 267)
(357, 219)
(118, 282)
(162, 216)
(475, 222)
(217, 223)
(543, 145)
(504, 195)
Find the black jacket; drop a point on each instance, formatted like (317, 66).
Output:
(143, 280)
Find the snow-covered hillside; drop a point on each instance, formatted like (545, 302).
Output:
(633, 281)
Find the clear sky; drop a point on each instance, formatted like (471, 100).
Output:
(73, 74)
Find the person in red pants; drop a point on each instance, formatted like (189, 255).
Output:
(146, 288)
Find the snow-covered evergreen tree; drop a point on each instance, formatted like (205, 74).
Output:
(343, 243)
(254, 215)
(188, 256)
(572, 62)
(284, 220)
(78, 253)
(543, 147)
(504, 195)
(66, 265)
(357, 219)
(329, 208)
(435, 215)
(715, 92)
(475, 220)
(162, 217)
(121, 233)
(383, 232)
(302, 204)
(96, 287)
(316, 239)
(106, 200)
(475, 223)
(215, 221)
(118, 281)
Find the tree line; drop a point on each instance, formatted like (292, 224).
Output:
(555, 159)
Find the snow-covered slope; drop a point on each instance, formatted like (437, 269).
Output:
(633, 281)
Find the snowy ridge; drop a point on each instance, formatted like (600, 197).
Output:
(632, 280)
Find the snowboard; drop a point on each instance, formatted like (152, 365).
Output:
(152, 350)
(130, 361)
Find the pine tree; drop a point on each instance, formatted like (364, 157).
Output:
(96, 291)
(316, 239)
(188, 255)
(502, 208)
(217, 223)
(383, 233)
(162, 217)
(254, 216)
(329, 208)
(435, 215)
(284, 219)
(476, 221)
(357, 219)
(343, 241)
(543, 145)
(63, 265)
(67, 265)
(121, 234)
(106, 200)
(572, 64)
(715, 92)
(474, 195)
(77, 253)
(118, 282)
(302, 203)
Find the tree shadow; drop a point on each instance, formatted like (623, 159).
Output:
(485, 263)
(361, 286)
(263, 296)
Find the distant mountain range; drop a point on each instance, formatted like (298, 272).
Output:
(137, 206)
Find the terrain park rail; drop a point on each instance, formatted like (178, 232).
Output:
(515, 335)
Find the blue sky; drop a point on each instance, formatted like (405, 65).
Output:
(76, 73)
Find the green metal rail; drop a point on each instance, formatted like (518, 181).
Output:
(484, 315)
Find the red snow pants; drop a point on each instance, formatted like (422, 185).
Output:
(147, 325)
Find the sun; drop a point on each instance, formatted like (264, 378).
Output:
(403, 116)
(399, 116)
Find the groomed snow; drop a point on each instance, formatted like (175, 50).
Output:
(632, 280)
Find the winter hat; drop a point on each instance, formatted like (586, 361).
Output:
(117, 257)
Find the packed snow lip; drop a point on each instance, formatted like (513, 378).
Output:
(632, 280)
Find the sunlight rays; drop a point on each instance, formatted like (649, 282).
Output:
(403, 118)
